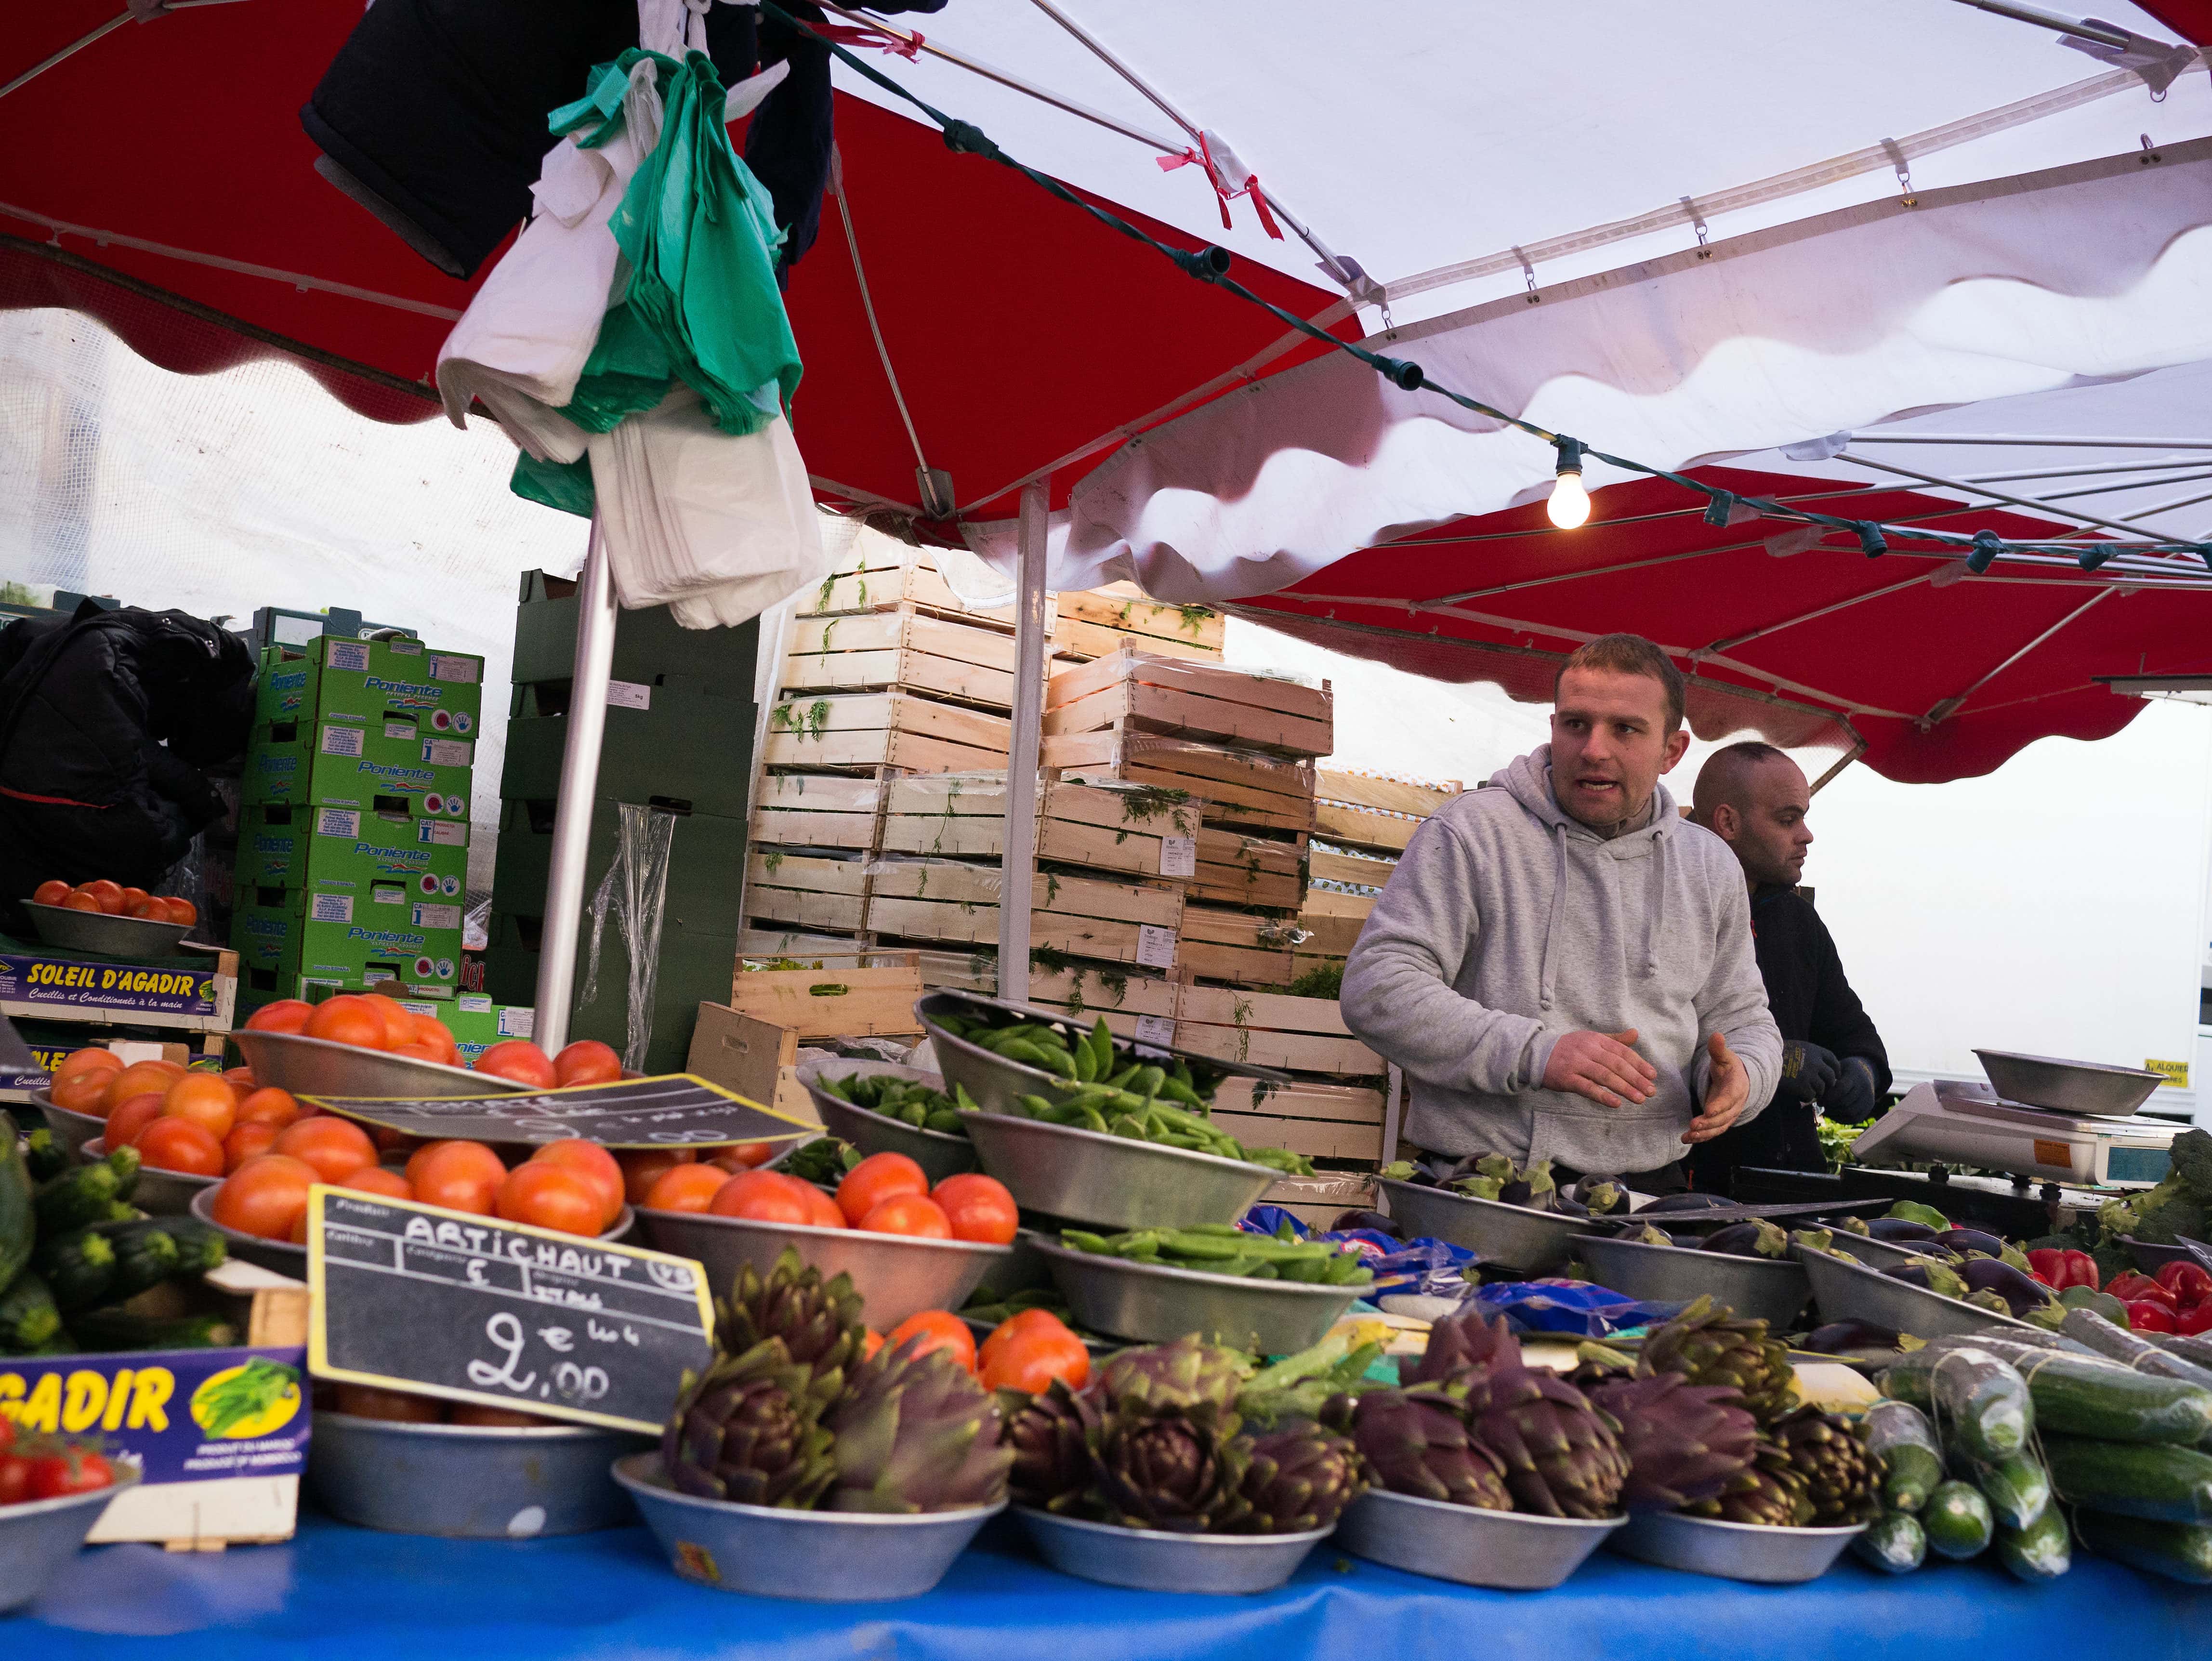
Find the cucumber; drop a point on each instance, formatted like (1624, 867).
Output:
(1894, 1543)
(2180, 1551)
(1978, 1402)
(2089, 1396)
(1899, 1434)
(18, 1233)
(2135, 1479)
(2087, 1327)
(27, 1316)
(145, 1255)
(2041, 1551)
(79, 1269)
(2018, 1489)
(103, 1329)
(84, 1195)
(1957, 1521)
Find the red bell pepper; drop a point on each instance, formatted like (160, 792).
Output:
(2144, 1316)
(2060, 1269)
(2130, 1287)
(2195, 1320)
(2188, 1283)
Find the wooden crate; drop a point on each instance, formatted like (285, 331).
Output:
(836, 1002)
(917, 582)
(1365, 870)
(760, 942)
(1318, 1138)
(1235, 787)
(1386, 791)
(1236, 867)
(1293, 1035)
(905, 648)
(885, 729)
(1365, 827)
(817, 810)
(961, 971)
(1144, 831)
(949, 900)
(1143, 691)
(1332, 927)
(1236, 946)
(1136, 1006)
(1319, 1200)
(806, 893)
(1095, 622)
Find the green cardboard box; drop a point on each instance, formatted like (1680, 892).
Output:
(287, 936)
(335, 761)
(346, 849)
(362, 679)
(476, 1022)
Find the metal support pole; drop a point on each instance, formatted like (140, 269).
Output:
(572, 813)
(1018, 867)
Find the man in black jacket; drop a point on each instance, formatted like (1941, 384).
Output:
(1755, 799)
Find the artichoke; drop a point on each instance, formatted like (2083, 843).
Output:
(1179, 1469)
(1461, 1344)
(1772, 1491)
(1707, 1345)
(1418, 1442)
(819, 1323)
(1298, 1477)
(1843, 1476)
(1184, 1373)
(1562, 1456)
(915, 1432)
(749, 1431)
(1048, 1434)
(1685, 1443)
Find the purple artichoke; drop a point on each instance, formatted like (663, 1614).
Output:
(915, 1432)
(1168, 1467)
(749, 1431)
(1562, 1456)
(1418, 1442)
(1048, 1434)
(1685, 1442)
(818, 1321)
(1300, 1476)
(1184, 1373)
(1462, 1344)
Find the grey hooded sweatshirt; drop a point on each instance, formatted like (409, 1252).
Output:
(1508, 925)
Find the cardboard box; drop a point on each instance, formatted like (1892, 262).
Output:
(476, 1022)
(744, 1053)
(341, 761)
(684, 744)
(288, 935)
(348, 850)
(361, 680)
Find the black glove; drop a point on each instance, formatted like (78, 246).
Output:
(1851, 1100)
(1807, 1071)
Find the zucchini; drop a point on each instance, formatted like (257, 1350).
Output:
(2090, 1396)
(2041, 1551)
(18, 1235)
(200, 1246)
(27, 1316)
(78, 1268)
(1957, 1521)
(43, 1156)
(1898, 1433)
(1974, 1398)
(85, 1196)
(2135, 1479)
(2018, 1489)
(103, 1329)
(145, 1255)
(1894, 1543)
(2180, 1551)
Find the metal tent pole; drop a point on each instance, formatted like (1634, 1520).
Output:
(579, 778)
(1018, 866)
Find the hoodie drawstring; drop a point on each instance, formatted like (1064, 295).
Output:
(1559, 912)
(1656, 917)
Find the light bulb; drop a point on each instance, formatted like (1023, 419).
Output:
(1570, 504)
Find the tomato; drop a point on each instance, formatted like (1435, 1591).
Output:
(745, 1156)
(551, 1197)
(74, 1470)
(417, 1052)
(246, 1141)
(183, 911)
(96, 1059)
(879, 1177)
(587, 1061)
(83, 1091)
(150, 909)
(937, 1328)
(204, 1099)
(267, 1105)
(871, 1341)
(458, 1176)
(641, 1167)
(7, 1433)
(916, 1215)
(52, 891)
(173, 1144)
(14, 1479)
(107, 895)
(398, 1021)
(519, 1060)
(285, 1015)
(134, 896)
(375, 1180)
(140, 1077)
(433, 1032)
(400, 1406)
(240, 1079)
(595, 1166)
(1029, 1351)
(77, 900)
(684, 1188)
(348, 1019)
(131, 1118)
(266, 1197)
(763, 1197)
(979, 1208)
(823, 1211)
(335, 1148)
(470, 1413)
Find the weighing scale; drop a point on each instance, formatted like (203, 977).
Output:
(1969, 1124)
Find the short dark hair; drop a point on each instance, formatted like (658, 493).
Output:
(1627, 655)
(1724, 775)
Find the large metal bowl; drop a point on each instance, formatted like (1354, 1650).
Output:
(1156, 1305)
(1733, 1551)
(1113, 1182)
(283, 1257)
(896, 1275)
(1852, 1292)
(1153, 1559)
(157, 1192)
(2091, 1087)
(1771, 1289)
(1023, 1267)
(820, 1556)
(72, 1129)
(319, 1066)
(38, 1536)
(939, 1154)
(1506, 1550)
(468, 1482)
(1536, 1242)
(106, 936)
(1876, 1254)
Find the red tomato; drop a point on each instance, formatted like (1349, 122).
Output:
(266, 1197)
(458, 1176)
(77, 900)
(641, 1167)
(173, 1144)
(14, 1479)
(587, 1061)
(684, 1188)
(126, 1123)
(246, 1141)
(133, 897)
(183, 911)
(268, 1105)
(763, 1197)
(937, 1328)
(550, 1196)
(375, 1180)
(745, 1156)
(519, 1060)
(137, 1078)
(92, 1059)
(335, 1147)
(916, 1215)
(398, 1020)
(979, 1208)
(108, 896)
(1029, 1351)
(74, 1470)
(285, 1015)
(879, 1177)
(348, 1019)
(52, 891)
(205, 1099)
(821, 1210)
(595, 1166)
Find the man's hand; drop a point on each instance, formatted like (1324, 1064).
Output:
(1601, 1067)
(1807, 1072)
(1726, 1092)
(1851, 1100)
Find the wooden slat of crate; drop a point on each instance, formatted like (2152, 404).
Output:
(919, 584)
(833, 1002)
(759, 943)
(1233, 945)
(1325, 866)
(1074, 641)
(952, 881)
(1106, 830)
(1364, 826)
(1327, 935)
(1090, 989)
(1392, 795)
(1319, 1200)
(1318, 1138)
(906, 648)
(1328, 903)
(808, 893)
(1297, 1035)
(1347, 1104)
(1236, 869)
(816, 810)
(1135, 690)
(885, 729)
(1123, 608)
(962, 971)
(936, 920)
(1237, 787)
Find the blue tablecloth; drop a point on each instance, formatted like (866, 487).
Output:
(338, 1593)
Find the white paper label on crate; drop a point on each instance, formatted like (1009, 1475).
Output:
(388, 893)
(350, 654)
(437, 917)
(461, 671)
(1178, 856)
(401, 728)
(341, 740)
(1155, 1029)
(447, 752)
(1156, 946)
(445, 832)
(337, 821)
(518, 1020)
(629, 695)
(472, 1003)
(330, 908)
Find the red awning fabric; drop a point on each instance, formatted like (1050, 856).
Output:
(2189, 19)
(1941, 674)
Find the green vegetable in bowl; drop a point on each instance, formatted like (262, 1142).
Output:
(1226, 1249)
(908, 1100)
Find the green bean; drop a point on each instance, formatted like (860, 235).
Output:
(1083, 1240)
(1092, 1118)
(944, 1120)
(831, 1087)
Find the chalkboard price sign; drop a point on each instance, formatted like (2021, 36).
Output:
(444, 1302)
(678, 1111)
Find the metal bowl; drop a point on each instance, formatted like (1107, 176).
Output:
(1023, 1267)
(467, 1481)
(1876, 1254)
(283, 1257)
(1538, 1242)
(896, 1275)
(1733, 1551)
(1771, 1289)
(1852, 1292)
(819, 1556)
(38, 1536)
(103, 936)
(2149, 1259)
(939, 1153)
(157, 1192)
(1506, 1550)
(1153, 1304)
(72, 1129)
(1153, 1559)
(2091, 1087)
(1113, 1182)
(319, 1066)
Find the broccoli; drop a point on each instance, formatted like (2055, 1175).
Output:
(2192, 1164)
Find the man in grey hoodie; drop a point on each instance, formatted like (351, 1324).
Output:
(1562, 964)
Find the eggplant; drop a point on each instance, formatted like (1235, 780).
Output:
(1478, 1187)
(1964, 1240)
(1688, 1202)
(1597, 1195)
(2022, 1294)
(1851, 1225)
(1900, 1230)
(1840, 1337)
(1645, 1234)
(1373, 1220)
(1929, 1276)
(1755, 1238)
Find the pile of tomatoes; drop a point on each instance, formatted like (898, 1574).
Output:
(115, 900)
(886, 1193)
(1024, 1351)
(43, 1469)
(370, 1021)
